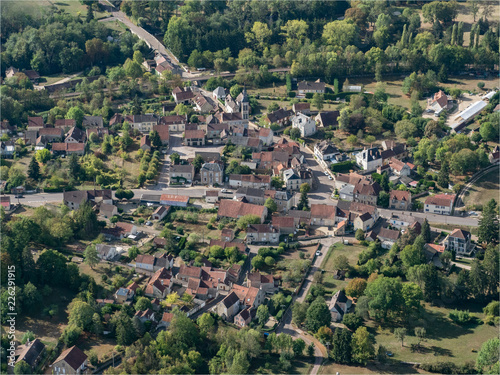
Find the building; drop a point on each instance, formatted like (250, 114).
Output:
(267, 283)
(174, 200)
(364, 222)
(160, 212)
(75, 135)
(438, 102)
(305, 87)
(400, 200)
(73, 199)
(305, 124)
(71, 361)
(31, 353)
(244, 318)
(285, 224)
(249, 180)
(123, 295)
(327, 119)
(281, 117)
(250, 297)
(194, 138)
(325, 150)
(283, 199)
(369, 159)
(240, 246)
(339, 305)
(164, 133)
(305, 108)
(219, 93)
(228, 307)
(399, 168)
(51, 134)
(144, 123)
(119, 231)
(5, 202)
(262, 233)
(323, 214)
(166, 319)
(183, 96)
(227, 235)
(235, 210)
(154, 263)
(35, 123)
(145, 315)
(175, 123)
(59, 149)
(212, 173)
(351, 88)
(441, 204)
(65, 124)
(159, 285)
(211, 196)
(366, 193)
(294, 178)
(92, 122)
(108, 210)
(459, 241)
(181, 173)
(388, 237)
(106, 252)
(203, 104)
(145, 144)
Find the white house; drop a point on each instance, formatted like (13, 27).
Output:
(369, 159)
(339, 305)
(219, 93)
(324, 150)
(305, 124)
(441, 204)
(106, 252)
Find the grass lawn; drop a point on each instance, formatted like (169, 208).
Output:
(295, 253)
(351, 252)
(392, 367)
(269, 364)
(446, 341)
(49, 80)
(449, 228)
(75, 8)
(116, 25)
(484, 189)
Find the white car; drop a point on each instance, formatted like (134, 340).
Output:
(326, 173)
(318, 253)
(330, 177)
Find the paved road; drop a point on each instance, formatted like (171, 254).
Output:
(286, 325)
(433, 218)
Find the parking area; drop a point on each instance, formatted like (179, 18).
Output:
(187, 151)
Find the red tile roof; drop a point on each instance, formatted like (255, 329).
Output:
(323, 211)
(400, 195)
(441, 200)
(234, 209)
(191, 134)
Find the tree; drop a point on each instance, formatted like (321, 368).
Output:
(295, 133)
(34, 169)
(70, 334)
(420, 333)
(426, 231)
(352, 139)
(400, 334)
(352, 321)
(258, 262)
(132, 69)
(22, 367)
(386, 298)
(412, 256)
(155, 139)
(474, 8)
(206, 322)
(489, 131)
(27, 336)
(246, 220)
(43, 156)
(76, 114)
(259, 35)
(299, 312)
(80, 314)
(318, 101)
(344, 119)
(488, 356)
(277, 182)
(304, 199)
(360, 235)
(262, 314)
(90, 256)
(318, 315)
(298, 347)
(341, 349)
(143, 303)
(356, 287)
(488, 224)
(85, 220)
(97, 327)
(235, 90)
(198, 162)
(90, 13)
(444, 174)
(340, 33)
(175, 158)
(271, 205)
(341, 263)
(362, 346)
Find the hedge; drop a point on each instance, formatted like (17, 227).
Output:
(181, 243)
(343, 166)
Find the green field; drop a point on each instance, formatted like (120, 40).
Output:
(446, 341)
(76, 8)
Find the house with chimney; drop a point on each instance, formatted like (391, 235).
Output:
(153, 263)
(212, 173)
(75, 135)
(249, 180)
(364, 222)
(306, 87)
(439, 102)
(106, 252)
(175, 123)
(323, 214)
(159, 285)
(327, 119)
(119, 231)
(183, 95)
(281, 117)
(294, 178)
(400, 200)
(74, 199)
(459, 241)
(369, 159)
(228, 307)
(305, 124)
(244, 318)
(32, 352)
(145, 315)
(366, 193)
(285, 224)
(181, 173)
(388, 237)
(325, 150)
(194, 137)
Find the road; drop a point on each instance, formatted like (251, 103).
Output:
(286, 325)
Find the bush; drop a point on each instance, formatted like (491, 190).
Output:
(342, 167)
(448, 368)
(279, 315)
(461, 317)
(292, 94)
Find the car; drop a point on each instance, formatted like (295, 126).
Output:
(326, 173)
(330, 177)
(318, 253)
(225, 191)
(148, 223)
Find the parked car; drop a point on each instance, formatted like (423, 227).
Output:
(318, 253)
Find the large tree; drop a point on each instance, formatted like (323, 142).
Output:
(342, 349)
(318, 315)
(362, 346)
(488, 224)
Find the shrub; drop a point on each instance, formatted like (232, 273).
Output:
(292, 94)
(279, 315)
(461, 317)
